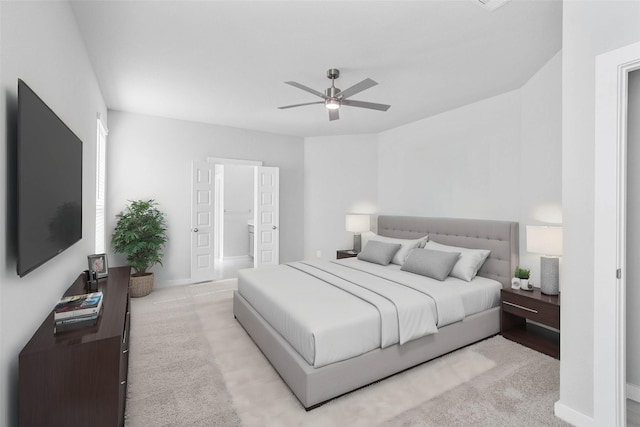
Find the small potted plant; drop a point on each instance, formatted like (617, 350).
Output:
(140, 233)
(523, 274)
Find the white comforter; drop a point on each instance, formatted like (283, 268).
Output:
(332, 311)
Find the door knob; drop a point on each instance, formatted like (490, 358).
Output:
(195, 230)
(274, 227)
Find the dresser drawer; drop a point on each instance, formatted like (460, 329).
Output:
(538, 311)
(124, 365)
(122, 385)
(124, 346)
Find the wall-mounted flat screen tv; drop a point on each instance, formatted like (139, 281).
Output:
(49, 181)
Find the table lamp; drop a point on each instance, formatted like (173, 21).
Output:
(547, 240)
(357, 223)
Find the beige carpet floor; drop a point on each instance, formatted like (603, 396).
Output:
(192, 364)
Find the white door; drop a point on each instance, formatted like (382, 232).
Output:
(202, 230)
(218, 213)
(266, 230)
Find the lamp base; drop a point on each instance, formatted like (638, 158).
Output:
(357, 242)
(549, 275)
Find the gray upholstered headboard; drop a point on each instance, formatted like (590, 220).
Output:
(500, 237)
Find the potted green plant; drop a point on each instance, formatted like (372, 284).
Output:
(523, 274)
(141, 234)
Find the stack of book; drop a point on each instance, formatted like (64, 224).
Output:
(77, 311)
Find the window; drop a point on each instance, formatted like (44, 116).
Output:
(101, 172)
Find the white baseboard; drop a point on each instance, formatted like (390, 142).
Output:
(169, 283)
(633, 392)
(572, 416)
(237, 258)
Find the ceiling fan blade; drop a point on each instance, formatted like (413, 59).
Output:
(334, 115)
(307, 89)
(300, 105)
(357, 88)
(362, 104)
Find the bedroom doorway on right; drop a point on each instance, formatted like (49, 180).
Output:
(633, 251)
(616, 227)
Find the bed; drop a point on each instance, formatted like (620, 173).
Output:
(350, 347)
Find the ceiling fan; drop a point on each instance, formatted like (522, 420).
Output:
(334, 98)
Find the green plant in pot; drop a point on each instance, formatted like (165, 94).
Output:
(523, 274)
(140, 233)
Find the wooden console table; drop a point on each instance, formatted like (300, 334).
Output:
(79, 377)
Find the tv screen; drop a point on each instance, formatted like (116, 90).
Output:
(49, 183)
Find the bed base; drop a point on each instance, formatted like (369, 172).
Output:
(313, 387)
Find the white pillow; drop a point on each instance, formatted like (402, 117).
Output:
(469, 263)
(405, 245)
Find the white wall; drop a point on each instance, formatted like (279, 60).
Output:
(540, 175)
(341, 176)
(589, 29)
(496, 159)
(40, 43)
(462, 163)
(633, 232)
(238, 205)
(499, 158)
(150, 157)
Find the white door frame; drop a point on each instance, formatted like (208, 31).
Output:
(609, 359)
(237, 162)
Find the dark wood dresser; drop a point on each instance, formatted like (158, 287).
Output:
(79, 377)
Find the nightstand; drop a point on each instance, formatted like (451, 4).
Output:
(345, 253)
(518, 306)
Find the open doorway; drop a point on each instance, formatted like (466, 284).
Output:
(233, 207)
(235, 217)
(615, 275)
(633, 251)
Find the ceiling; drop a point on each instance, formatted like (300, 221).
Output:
(225, 62)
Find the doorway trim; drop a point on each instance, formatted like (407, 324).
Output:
(238, 162)
(610, 153)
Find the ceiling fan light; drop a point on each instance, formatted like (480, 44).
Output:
(332, 104)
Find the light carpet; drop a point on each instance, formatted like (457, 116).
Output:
(191, 363)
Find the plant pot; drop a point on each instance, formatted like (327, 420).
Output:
(515, 283)
(140, 285)
(525, 285)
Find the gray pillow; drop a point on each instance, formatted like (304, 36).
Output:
(470, 259)
(430, 263)
(379, 252)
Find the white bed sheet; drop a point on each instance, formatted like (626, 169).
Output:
(325, 324)
(299, 306)
(478, 295)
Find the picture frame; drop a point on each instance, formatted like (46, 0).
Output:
(98, 267)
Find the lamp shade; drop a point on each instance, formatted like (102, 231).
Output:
(546, 240)
(357, 223)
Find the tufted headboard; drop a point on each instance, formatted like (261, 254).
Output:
(500, 237)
